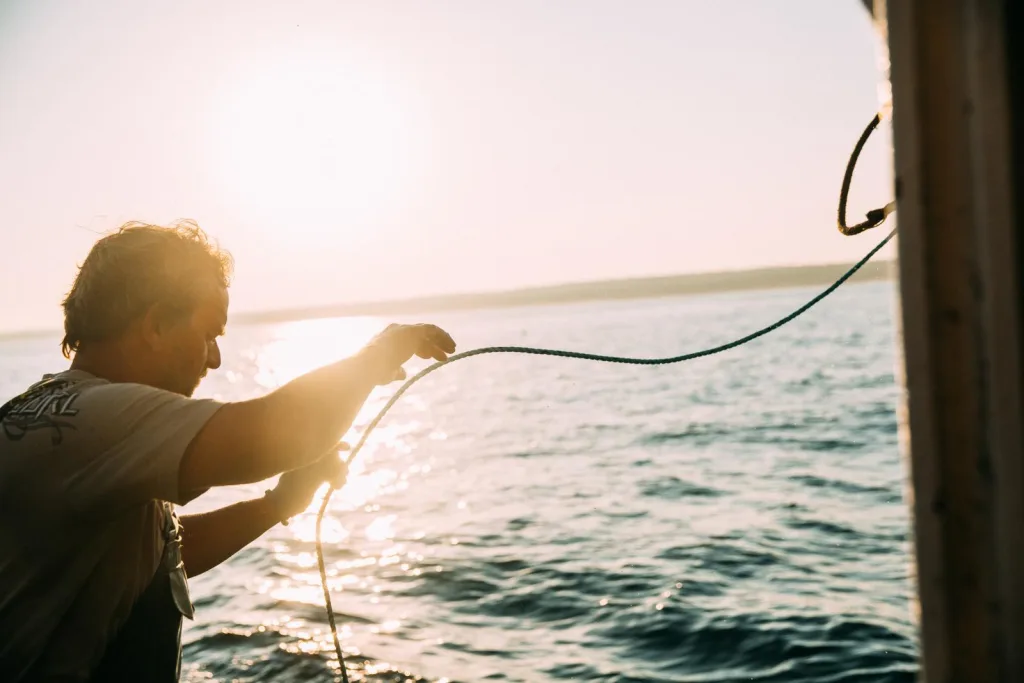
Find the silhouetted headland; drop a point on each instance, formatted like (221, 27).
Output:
(634, 288)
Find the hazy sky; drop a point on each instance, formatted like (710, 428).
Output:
(346, 151)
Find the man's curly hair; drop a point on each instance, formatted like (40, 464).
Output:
(133, 268)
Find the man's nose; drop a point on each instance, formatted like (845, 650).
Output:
(213, 357)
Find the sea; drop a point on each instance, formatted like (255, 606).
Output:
(740, 517)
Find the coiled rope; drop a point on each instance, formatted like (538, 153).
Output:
(874, 218)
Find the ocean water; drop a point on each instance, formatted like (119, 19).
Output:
(517, 518)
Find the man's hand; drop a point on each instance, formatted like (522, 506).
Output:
(295, 489)
(396, 344)
(212, 537)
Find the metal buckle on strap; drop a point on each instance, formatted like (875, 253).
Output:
(173, 563)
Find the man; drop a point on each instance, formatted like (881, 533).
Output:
(93, 559)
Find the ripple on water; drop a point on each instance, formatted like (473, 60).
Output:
(843, 486)
(671, 487)
(678, 638)
(268, 656)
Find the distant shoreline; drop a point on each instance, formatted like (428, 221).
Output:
(606, 290)
(603, 290)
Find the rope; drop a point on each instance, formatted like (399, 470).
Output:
(875, 218)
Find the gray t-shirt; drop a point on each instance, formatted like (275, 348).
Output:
(88, 476)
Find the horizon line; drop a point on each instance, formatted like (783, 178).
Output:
(642, 287)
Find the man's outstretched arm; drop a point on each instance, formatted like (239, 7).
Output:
(294, 425)
(210, 538)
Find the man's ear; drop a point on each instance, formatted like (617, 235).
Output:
(157, 323)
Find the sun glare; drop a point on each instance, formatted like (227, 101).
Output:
(312, 136)
(301, 346)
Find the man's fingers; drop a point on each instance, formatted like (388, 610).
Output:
(434, 342)
(333, 470)
(439, 338)
(445, 341)
(429, 351)
(339, 476)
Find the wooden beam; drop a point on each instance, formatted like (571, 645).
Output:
(957, 125)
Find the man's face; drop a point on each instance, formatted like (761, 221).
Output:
(191, 348)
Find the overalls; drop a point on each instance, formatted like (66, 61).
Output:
(148, 646)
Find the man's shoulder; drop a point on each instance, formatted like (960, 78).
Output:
(54, 383)
(46, 403)
(58, 402)
(73, 386)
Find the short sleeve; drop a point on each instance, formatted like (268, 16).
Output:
(126, 444)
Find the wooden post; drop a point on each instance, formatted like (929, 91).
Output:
(958, 127)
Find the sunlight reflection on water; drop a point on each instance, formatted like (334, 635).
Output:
(298, 347)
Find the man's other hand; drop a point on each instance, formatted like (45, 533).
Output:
(295, 489)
